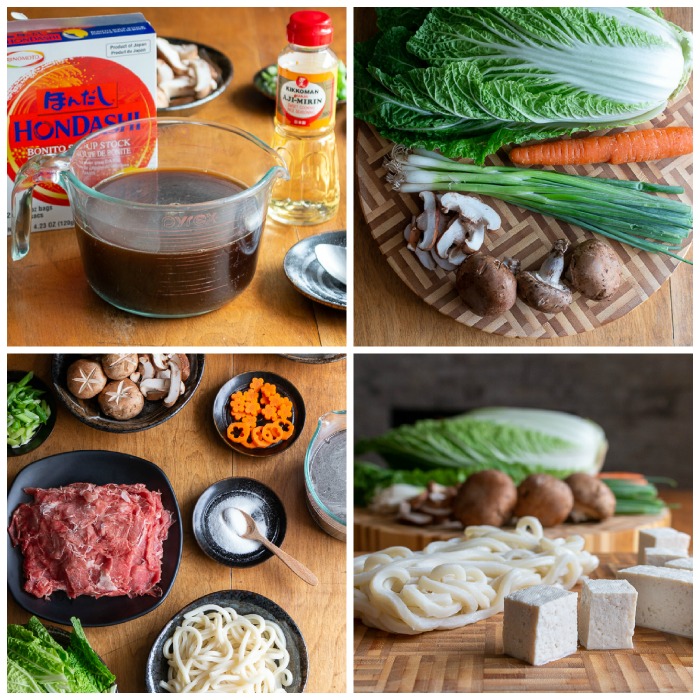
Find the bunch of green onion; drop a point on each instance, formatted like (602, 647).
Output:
(618, 209)
(26, 412)
(635, 498)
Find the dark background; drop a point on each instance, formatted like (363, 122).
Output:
(643, 402)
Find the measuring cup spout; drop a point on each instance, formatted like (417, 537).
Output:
(37, 170)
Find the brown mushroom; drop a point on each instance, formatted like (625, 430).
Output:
(121, 400)
(546, 498)
(85, 379)
(487, 285)
(120, 365)
(542, 290)
(485, 498)
(595, 270)
(593, 498)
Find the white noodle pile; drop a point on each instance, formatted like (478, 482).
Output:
(464, 580)
(216, 650)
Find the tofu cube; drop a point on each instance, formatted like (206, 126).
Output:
(658, 556)
(606, 617)
(665, 537)
(683, 563)
(540, 624)
(665, 598)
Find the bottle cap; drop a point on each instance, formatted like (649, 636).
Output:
(310, 28)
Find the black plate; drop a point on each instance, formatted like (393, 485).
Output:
(216, 58)
(273, 511)
(88, 410)
(245, 603)
(96, 467)
(307, 275)
(44, 430)
(222, 415)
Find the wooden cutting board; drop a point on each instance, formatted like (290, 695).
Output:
(471, 660)
(618, 534)
(524, 235)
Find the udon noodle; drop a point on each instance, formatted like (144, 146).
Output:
(216, 650)
(464, 580)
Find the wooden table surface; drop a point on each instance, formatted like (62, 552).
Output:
(49, 288)
(471, 659)
(387, 312)
(193, 456)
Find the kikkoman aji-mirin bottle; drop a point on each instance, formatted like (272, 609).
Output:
(305, 121)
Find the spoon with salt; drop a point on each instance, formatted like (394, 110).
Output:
(251, 532)
(333, 259)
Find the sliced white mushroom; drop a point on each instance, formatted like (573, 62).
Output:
(171, 55)
(187, 52)
(155, 389)
(471, 208)
(163, 374)
(204, 85)
(181, 86)
(174, 388)
(444, 264)
(146, 367)
(164, 71)
(135, 377)
(160, 360)
(182, 388)
(424, 256)
(428, 221)
(454, 237)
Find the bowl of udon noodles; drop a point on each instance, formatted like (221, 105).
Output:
(229, 642)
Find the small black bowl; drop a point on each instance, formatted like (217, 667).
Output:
(46, 428)
(273, 512)
(244, 603)
(219, 60)
(222, 414)
(88, 410)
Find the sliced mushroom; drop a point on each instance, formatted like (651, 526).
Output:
(146, 367)
(160, 360)
(174, 388)
(182, 361)
(164, 71)
(543, 290)
(168, 53)
(154, 389)
(444, 264)
(180, 86)
(428, 221)
(204, 83)
(411, 234)
(471, 208)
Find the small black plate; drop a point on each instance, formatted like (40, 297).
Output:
(88, 410)
(96, 467)
(222, 414)
(245, 603)
(272, 508)
(307, 275)
(219, 60)
(44, 430)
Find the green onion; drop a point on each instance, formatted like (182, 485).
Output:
(26, 412)
(632, 498)
(619, 209)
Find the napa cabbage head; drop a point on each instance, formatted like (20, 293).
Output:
(470, 80)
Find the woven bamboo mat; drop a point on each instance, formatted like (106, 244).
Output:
(523, 235)
(471, 660)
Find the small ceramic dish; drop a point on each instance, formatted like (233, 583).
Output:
(223, 418)
(244, 603)
(315, 358)
(263, 505)
(88, 411)
(269, 87)
(45, 429)
(221, 63)
(307, 275)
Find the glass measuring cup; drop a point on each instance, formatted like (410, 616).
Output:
(169, 212)
(325, 474)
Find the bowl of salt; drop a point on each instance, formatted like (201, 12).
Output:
(218, 523)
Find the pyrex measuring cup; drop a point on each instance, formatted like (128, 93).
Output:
(169, 213)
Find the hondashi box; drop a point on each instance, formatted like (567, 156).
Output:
(67, 78)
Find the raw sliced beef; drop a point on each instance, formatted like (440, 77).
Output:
(92, 540)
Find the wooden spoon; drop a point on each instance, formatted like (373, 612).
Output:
(252, 533)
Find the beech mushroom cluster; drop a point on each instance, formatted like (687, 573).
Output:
(182, 74)
(136, 378)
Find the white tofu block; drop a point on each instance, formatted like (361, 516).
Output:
(658, 556)
(540, 624)
(665, 537)
(606, 617)
(683, 563)
(665, 600)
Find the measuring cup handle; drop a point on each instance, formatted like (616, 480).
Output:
(35, 171)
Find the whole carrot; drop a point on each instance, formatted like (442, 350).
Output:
(625, 147)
